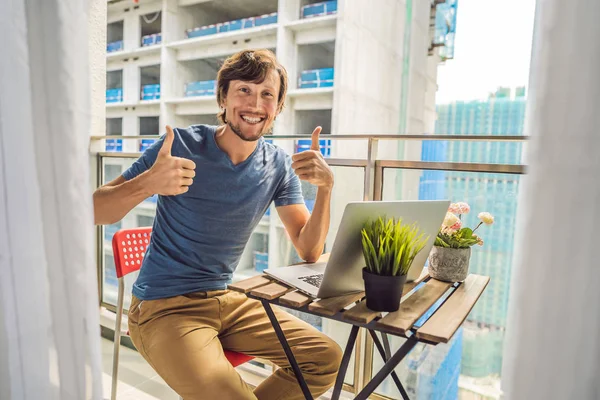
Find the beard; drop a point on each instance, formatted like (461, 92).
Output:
(238, 131)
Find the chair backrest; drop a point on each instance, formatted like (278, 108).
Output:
(129, 248)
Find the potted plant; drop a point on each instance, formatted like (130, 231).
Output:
(450, 255)
(389, 248)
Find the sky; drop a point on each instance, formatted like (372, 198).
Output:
(492, 49)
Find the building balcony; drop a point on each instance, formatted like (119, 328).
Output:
(429, 167)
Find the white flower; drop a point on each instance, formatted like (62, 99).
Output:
(486, 218)
(450, 220)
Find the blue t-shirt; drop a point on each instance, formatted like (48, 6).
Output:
(198, 237)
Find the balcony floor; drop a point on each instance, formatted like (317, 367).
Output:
(137, 380)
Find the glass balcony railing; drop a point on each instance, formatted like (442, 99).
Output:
(324, 144)
(230, 26)
(152, 39)
(316, 78)
(319, 9)
(477, 350)
(200, 88)
(114, 145)
(114, 46)
(114, 95)
(485, 172)
(150, 92)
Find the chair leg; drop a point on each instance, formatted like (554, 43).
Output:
(117, 342)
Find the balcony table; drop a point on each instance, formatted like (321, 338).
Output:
(430, 312)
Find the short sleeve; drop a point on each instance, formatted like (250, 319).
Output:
(145, 162)
(289, 191)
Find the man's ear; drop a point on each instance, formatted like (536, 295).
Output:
(280, 108)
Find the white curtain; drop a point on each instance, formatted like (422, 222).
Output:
(553, 337)
(49, 320)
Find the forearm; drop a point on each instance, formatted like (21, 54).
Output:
(311, 240)
(112, 203)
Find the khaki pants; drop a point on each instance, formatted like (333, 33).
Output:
(183, 338)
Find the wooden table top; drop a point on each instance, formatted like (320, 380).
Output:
(431, 309)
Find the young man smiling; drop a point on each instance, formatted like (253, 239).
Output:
(214, 186)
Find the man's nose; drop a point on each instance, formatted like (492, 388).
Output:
(255, 101)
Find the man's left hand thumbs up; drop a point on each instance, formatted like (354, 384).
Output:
(310, 165)
(315, 139)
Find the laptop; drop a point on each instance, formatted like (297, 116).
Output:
(342, 273)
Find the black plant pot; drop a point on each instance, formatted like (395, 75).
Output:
(383, 292)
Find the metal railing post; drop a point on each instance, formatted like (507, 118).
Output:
(370, 169)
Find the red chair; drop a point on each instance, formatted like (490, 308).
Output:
(129, 247)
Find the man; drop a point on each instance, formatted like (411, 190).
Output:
(214, 185)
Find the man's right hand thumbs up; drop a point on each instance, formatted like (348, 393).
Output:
(170, 176)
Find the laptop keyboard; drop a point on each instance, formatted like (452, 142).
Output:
(314, 280)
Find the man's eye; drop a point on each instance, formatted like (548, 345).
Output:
(268, 94)
(245, 90)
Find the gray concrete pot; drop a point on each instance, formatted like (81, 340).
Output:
(449, 265)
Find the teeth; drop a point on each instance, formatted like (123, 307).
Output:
(251, 120)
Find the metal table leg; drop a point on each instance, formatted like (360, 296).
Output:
(287, 350)
(339, 380)
(387, 368)
(386, 344)
(385, 353)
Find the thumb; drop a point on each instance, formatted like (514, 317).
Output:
(315, 139)
(165, 150)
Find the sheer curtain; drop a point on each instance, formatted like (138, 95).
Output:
(553, 347)
(49, 320)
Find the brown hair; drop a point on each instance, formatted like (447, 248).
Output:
(250, 66)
